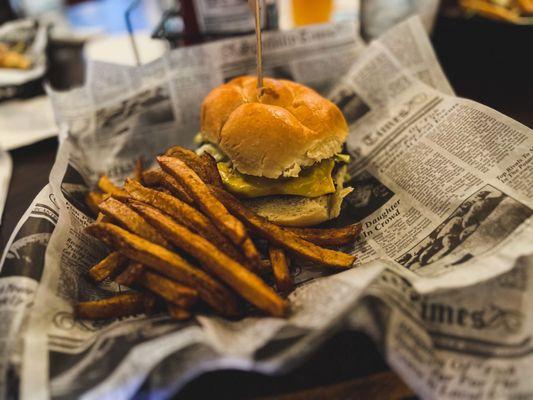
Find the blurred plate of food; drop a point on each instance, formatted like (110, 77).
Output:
(22, 59)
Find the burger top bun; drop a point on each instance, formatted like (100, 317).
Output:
(288, 127)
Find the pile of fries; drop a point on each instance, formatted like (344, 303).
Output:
(13, 57)
(179, 240)
(514, 11)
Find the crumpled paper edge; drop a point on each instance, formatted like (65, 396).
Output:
(6, 168)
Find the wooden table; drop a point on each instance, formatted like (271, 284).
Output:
(488, 64)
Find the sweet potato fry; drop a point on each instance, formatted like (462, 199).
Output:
(93, 199)
(167, 263)
(106, 186)
(169, 290)
(185, 215)
(132, 221)
(113, 307)
(266, 265)
(526, 6)
(108, 267)
(202, 196)
(328, 236)
(102, 218)
(130, 275)
(283, 238)
(210, 165)
(178, 313)
(177, 294)
(251, 255)
(201, 166)
(188, 156)
(489, 10)
(152, 177)
(280, 267)
(156, 177)
(247, 284)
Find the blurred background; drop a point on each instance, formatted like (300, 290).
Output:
(483, 45)
(470, 36)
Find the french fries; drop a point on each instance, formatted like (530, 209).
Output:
(247, 284)
(212, 170)
(167, 263)
(132, 221)
(108, 267)
(526, 5)
(205, 200)
(13, 58)
(93, 199)
(280, 267)
(184, 211)
(205, 165)
(130, 275)
(156, 177)
(101, 217)
(184, 214)
(201, 165)
(179, 295)
(178, 313)
(106, 186)
(330, 236)
(118, 306)
(251, 255)
(153, 177)
(491, 10)
(282, 237)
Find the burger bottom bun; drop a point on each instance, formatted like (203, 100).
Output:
(297, 210)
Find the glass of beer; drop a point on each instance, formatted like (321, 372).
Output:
(306, 12)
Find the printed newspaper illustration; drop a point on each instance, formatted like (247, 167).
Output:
(443, 189)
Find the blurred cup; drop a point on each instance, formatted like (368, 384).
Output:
(306, 12)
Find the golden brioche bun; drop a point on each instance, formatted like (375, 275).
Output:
(289, 127)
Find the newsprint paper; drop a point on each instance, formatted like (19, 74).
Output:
(443, 188)
(6, 168)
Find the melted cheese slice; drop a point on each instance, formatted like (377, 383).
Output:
(313, 182)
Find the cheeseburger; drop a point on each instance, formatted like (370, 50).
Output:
(280, 152)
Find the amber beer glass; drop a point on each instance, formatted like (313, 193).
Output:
(306, 12)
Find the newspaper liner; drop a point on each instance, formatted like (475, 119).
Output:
(6, 168)
(443, 189)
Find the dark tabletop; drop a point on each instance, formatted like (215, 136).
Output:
(485, 61)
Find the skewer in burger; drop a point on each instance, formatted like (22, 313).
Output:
(281, 151)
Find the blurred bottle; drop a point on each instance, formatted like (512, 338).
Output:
(306, 12)
(6, 12)
(224, 17)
